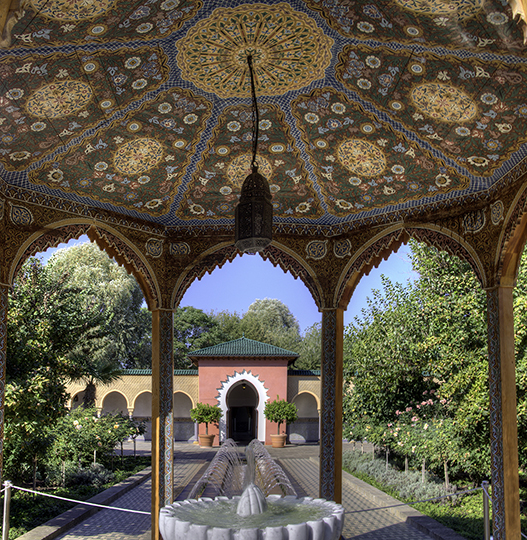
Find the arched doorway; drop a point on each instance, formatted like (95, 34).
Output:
(115, 402)
(183, 425)
(242, 417)
(143, 412)
(306, 427)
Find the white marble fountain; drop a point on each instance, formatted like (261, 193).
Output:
(256, 514)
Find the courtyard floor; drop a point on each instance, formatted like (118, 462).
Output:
(367, 517)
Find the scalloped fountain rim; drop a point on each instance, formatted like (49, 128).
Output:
(325, 528)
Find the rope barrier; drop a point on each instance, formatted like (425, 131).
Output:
(414, 502)
(80, 502)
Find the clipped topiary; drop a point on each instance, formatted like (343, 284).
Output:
(280, 411)
(203, 413)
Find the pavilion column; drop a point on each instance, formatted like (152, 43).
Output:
(162, 413)
(4, 290)
(503, 422)
(331, 405)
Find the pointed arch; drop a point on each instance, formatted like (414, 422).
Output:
(108, 239)
(380, 247)
(512, 240)
(277, 254)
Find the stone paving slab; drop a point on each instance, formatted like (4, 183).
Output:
(362, 520)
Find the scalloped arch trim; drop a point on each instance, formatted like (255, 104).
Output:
(263, 396)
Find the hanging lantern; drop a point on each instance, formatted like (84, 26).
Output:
(253, 215)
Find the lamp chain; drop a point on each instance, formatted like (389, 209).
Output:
(256, 117)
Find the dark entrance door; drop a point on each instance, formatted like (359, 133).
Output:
(242, 401)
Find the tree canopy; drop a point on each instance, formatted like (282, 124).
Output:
(417, 363)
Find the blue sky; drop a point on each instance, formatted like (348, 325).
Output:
(235, 286)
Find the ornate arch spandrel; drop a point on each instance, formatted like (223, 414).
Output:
(110, 241)
(512, 240)
(277, 254)
(211, 259)
(383, 245)
(288, 261)
(49, 237)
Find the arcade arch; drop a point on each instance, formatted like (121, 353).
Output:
(307, 426)
(114, 402)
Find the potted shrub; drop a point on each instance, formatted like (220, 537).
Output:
(203, 413)
(280, 411)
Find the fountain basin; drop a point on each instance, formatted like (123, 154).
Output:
(287, 518)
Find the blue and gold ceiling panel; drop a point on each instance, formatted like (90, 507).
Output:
(416, 104)
(60, 22)
(138, 161)
(467, 24)
(215, 186)
(474, 112)
(47, 101)
(360, 162)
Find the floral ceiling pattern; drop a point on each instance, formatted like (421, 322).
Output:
(143, 106)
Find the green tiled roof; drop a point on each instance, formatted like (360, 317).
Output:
(243, 347)
(149, 372)
(304, 372)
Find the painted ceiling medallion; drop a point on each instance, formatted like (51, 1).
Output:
(443, 102)
(357, 175)
(139, 156)
(240, 168)
(59, 99)
(71, 10)
(362, 157)
(461, 9)
(289, 51)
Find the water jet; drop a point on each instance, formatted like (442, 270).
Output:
(265, 506)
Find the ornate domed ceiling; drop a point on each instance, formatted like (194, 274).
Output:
(367, 110)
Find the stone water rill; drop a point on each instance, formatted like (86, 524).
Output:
(256, 514)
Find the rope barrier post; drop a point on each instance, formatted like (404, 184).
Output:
(486, 512)
(7, 506)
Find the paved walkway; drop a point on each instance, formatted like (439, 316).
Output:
(363, 521)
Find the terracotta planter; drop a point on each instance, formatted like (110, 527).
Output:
(206, 440)
(278, 441)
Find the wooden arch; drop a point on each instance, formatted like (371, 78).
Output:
(109, 240)
(278, 254)
(389, 241)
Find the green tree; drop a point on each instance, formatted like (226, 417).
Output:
(204, 413)
(194, 330)
(425, 336)
(270, 321)
(310, 348)
(280, 411)
(47, 318)
(230, 323)
(121, 339)
(382, 361)
(83, 437)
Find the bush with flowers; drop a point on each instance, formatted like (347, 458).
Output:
(82, 438)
